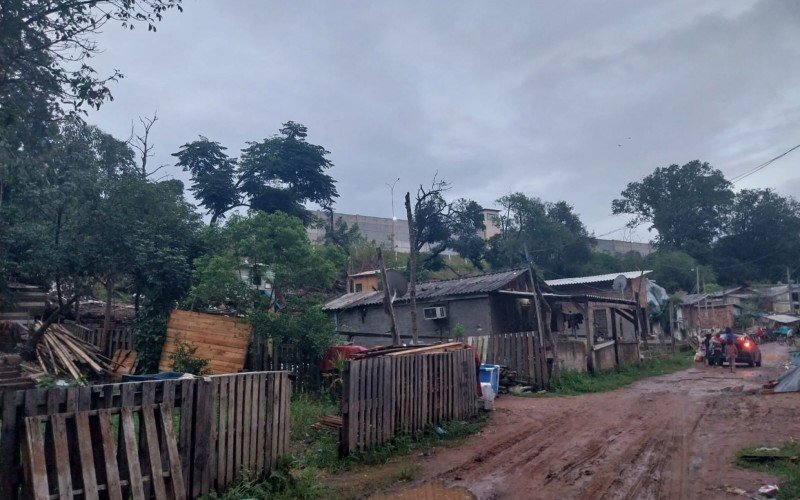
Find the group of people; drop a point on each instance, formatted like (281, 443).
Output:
(785, 333)
(719, 344)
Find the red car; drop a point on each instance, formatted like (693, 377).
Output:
(747, 348)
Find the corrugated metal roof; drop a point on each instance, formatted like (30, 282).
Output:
(783, 318)
(433, 289)
(692, 298)
(595, 279)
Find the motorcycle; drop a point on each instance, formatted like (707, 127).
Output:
(717, 354)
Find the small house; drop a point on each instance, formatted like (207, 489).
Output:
(445, 309)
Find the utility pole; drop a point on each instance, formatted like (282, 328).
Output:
(394, 219)
(412, 288)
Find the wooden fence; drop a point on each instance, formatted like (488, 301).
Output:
(389, 395)
(117, 338)
(226, 423)
(264, 355)
(512, 350)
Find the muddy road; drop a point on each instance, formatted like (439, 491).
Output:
(672, 436)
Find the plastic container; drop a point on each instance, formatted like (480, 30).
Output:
(487, 396)
(491, 374)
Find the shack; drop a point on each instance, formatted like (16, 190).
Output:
(472, 306)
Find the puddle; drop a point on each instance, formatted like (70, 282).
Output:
(435, 491)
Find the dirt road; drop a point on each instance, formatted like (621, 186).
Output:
(672, 436)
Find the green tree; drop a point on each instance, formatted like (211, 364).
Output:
(762, 238)
(279, 174)
(675, 270)
(213, 175)
(686, 204)
(440, 225)
(550, 233)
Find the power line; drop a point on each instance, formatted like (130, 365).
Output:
(762, 166)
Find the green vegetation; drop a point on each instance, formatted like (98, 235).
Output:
(574, 383)
(283, 483)
(319, 448)
(314, 454)
(783, 463)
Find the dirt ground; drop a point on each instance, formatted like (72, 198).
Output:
(672, 436)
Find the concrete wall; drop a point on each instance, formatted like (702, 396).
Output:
(372, 328)
(605, 359)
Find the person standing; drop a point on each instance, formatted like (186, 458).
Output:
(730, 348)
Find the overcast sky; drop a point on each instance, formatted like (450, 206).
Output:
(560, 100)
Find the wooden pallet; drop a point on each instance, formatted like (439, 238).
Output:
(80, 454)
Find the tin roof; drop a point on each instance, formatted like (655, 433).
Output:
(431, 290)
(599, 278)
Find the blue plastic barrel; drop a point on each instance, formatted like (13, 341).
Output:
(491, 374)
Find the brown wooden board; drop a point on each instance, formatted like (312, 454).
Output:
(220, 339)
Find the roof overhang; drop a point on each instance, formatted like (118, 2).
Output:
(555, 297)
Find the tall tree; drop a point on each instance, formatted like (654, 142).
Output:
(686, 204)
(279, 174)
(762, 238)
(213, 175)
(440, 225)
(556, 239)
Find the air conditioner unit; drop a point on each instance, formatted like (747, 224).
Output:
(438, 312)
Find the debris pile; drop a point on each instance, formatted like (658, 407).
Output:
(60, 353)
(328, 421)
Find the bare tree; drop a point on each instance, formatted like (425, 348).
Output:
(142, 143)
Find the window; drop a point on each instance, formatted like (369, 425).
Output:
(359, 287)
(795, 296)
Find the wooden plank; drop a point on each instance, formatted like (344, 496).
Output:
(222, 433)
(270, 420)
(213, 433)
(386, 366)
(246, 408)
(175, 472)
(416, 393)
(239, 424)
(9, 445)
(351, 408)
(113, 487)
(187, 429)
(61, 447)
(152, 450)
(370, 398)
(253, 438)
(276, 407)
(202, 411)
(86, 455)
(261, 423)
(128, 439)
(148, 398)
(285, 412)
(230, 430)
(33, 460)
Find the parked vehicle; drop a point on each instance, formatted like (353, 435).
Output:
(748, 351)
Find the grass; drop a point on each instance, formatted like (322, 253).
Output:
(784, 463)
(574, 383)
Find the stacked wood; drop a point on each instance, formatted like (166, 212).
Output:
(62, 354)
(410, 350)
(508, 379)
(328, 421)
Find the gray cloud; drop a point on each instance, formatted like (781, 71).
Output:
(496, 97)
